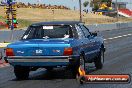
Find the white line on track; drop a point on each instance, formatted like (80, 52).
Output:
(118, 37)
(4, 65)
(110, 38)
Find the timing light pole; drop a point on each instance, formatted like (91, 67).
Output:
(10, 10)
(80, 8)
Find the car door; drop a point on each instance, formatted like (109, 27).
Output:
(90, 43)
(94, 40)
(84, 42)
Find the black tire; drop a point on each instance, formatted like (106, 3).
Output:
(75, 68)
(82, 62)
(99, 60)
(21, 73)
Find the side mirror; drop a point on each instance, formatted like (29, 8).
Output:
(94, 34)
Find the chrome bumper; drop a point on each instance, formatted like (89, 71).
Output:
(12, 59)
(37, 60)
(38, 57)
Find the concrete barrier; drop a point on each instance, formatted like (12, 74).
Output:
(102, 27)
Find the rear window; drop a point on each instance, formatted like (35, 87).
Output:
(46, 32)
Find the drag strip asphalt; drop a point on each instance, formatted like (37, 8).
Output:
(118, 60)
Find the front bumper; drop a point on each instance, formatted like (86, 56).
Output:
(41, 60)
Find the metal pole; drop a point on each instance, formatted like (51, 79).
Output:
(12, 27)
(12, 36)
(117, 11)
(80, 7)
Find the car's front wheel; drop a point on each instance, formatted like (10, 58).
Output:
(99, 61)
(21, 72)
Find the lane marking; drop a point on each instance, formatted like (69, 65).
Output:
(4, 65)
(129, 34)
(118, 37)
(115, 37)
(110, 38)
(124, 35)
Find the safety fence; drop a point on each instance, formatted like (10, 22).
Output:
(103, 27)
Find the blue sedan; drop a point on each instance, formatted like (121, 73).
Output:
(55, 44)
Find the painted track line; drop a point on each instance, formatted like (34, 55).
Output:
(118, 37)
(4, 65)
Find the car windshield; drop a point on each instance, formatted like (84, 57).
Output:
(46, 32)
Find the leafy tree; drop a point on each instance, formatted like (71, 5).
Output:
(105, 1)
(95, 3)
(96, 7)
(85, 4)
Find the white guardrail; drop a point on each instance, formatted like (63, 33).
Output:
(103, 27)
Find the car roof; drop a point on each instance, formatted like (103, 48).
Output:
(57, 23)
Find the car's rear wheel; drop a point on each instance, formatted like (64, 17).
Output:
(74, 68)
(82, 63)
(21, 72)
(79, 63)
(82, 66)
(99, 61)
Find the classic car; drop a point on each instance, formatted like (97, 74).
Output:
(55, 44)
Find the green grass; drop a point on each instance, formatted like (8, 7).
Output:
(2, 19)
(23, 23)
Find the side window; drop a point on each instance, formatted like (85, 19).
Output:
(79, 31)
(85, 30)
(74, 31)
